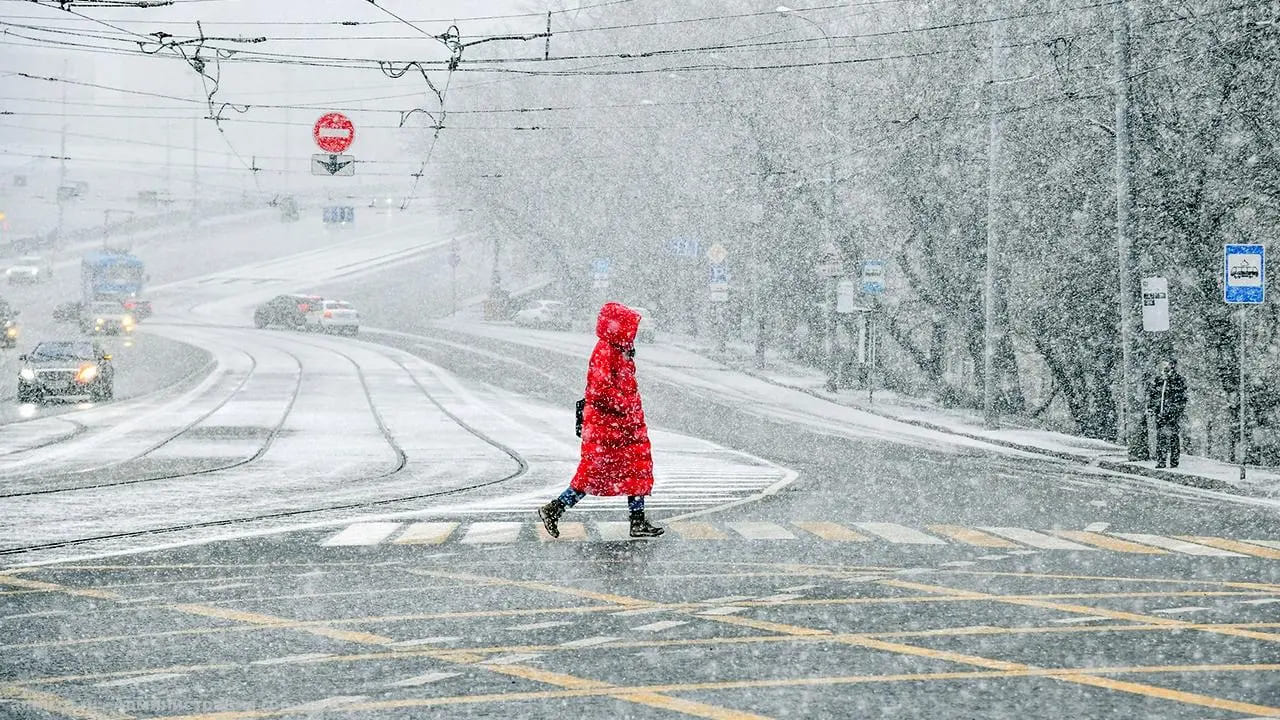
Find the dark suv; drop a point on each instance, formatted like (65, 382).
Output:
(288, 310)
(66, 369)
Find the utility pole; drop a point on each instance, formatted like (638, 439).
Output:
(62, 164)
(995, 143)
(1130, 403)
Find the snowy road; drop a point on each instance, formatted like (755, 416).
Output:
(323, 527)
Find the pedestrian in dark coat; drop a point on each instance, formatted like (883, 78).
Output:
(616, 456)
(1166, 399)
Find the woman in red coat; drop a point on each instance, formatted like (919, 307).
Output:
(616, 458)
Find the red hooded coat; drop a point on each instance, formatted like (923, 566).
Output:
(616, 458)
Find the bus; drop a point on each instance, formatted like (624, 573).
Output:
(109, 275)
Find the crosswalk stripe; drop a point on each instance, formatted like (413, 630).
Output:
(614, 530)
(363, 534)
(1107, 542)
(1037, 540)
(571, 531)
(492, 532)
(1177, 545)
(969, 536)
(426, 533)
(761, 531)
(698, 531)
(900, 534)
(1233, 546)
(832, 531)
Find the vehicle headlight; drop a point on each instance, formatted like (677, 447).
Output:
(126, 320)
(27, 373)
(98, 321)
(11, 331)
(87, 373)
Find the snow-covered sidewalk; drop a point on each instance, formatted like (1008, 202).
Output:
(1192, 470)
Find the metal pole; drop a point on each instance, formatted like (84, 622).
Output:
(1244, 443)
(62, 164)
(991, 414)
(1130, 404)
(830, 290)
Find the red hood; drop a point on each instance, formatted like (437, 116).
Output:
(617, 324)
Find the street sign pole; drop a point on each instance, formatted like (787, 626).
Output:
(1244, 282)
(1244, 443)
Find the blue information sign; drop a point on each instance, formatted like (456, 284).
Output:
(1244, 274)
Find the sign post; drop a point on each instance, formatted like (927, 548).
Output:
(1155, 304)
(718, 284)
(333, 133)
(1244, 282)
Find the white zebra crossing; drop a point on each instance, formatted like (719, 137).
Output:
(497, 533)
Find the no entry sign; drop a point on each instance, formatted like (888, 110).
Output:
(334, 133)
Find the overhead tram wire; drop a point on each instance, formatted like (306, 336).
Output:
(512, 16)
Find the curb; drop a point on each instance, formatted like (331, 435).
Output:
(1120, 467)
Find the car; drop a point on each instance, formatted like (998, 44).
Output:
(545, 314)
(647, 332)
(334, 316)
(106, 317)
(68, 312)
(67, 370)
(8, 325)
(139, 309)
(29, 269)
(287, 310)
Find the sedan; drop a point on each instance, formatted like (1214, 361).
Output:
(67, 370)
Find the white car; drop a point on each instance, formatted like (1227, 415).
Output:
(647, 332)
(106, 317)
(545, 313)
(29, 269)
(334, 316)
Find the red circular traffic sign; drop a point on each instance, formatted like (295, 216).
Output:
(334, 132)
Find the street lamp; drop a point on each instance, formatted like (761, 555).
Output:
(785, 11)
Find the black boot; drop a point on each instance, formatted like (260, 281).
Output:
(640, 528)
(550, 514)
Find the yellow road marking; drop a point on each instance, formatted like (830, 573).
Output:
(573, 531)
(1234, 546)
(533, 585)
(1265, 587)
(817, 637)
(782, 628)
(426, 533)
(1108, 542)
(1080, 675)
(1168, 694)
(697, 531)
(688, 707)
(52, 703)
(832, 531)
(54, 587)
(1088, 610)
(963, 596)
(973, 537)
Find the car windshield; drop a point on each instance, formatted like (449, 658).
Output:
(29, 260)
(67, 350)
